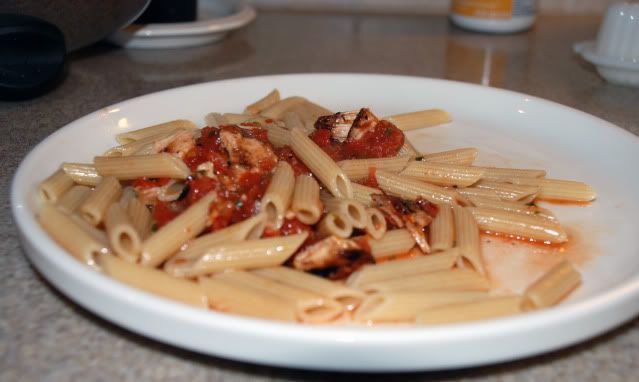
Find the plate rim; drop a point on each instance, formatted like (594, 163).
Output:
(329, 334)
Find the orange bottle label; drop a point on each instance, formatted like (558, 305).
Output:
(489, 9)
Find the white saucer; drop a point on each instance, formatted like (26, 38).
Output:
(215, 19)
(614, 70)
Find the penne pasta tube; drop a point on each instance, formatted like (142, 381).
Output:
(462, 157)
(278, 194)
(69, 235)
(552, 287)
(84, 174)
(504, 174)
(279, 136)
(558, 189)
(322, 166)
(407, 149)
(170, 237)
(215, 119)
(363, 193)
(482, 309)
(394, 242)
(95, 205)
(154, 130)
(239, 299)
(294, 121)
(161, 165)
(140, 217)
(247, 254)
(419, 119)
(263, 103)
(348, 297)
(467, 239)
(358, 169)
(52, 189)
(412, 189)
(73, 198)
(249, 229)
(246, 120)
(478, 192)
(443, 174)
(399, 269)
(153, 281)
(306, 203)
(277, 110)
(96, 233)
(375, 223)
(442, 229)
(404, 306)
(513, 207)
(448, 280)
(310, 307)
(349, 209)
(137, 147)
(335, 224)
(123, 237)
(519, 225)
(507, 191)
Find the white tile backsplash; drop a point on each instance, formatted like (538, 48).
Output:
(423, 6)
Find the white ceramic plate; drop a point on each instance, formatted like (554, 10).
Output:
(215, 19)
(530, 131)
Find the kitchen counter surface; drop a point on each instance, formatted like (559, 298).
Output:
(46, 337)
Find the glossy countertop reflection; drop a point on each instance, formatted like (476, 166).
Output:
(44, 336)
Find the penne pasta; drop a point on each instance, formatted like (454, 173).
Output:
(513, 207)
(52, 189)
(166, 127)
(123, 237)
(557, 189)
(84, 174)
(348, 297)
(507, 191)
(247, 254)
(395, 242)
(519, 225)
(95, 205)
(263, 103)
(73, 198)
(306, 203)
(443, 174)
(162, 165)
(407, 149)
(359, 169)
(419, 119)
(279, 136)
(69, 235)
(170, 237)
(215, 119)
(442, 229)
(467, 239)
(351, 210)
(310, 307)
(239, 299)
(322, 166)
(404, 306)
(294, 121)
(153, 281)
(412, 189)
(277, 196)
(501, 174)
(363, 193)
(335, 224)
(375, 223)
(552, 287)
(448, 280)
(142, 146)
(462, 157)
(471, 192)
(399, 269)
(277, 109)
(140, 217)
(482, 309)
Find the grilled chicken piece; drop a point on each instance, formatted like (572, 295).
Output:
(336, 258)
(364, 122)
(339, 124)
(181, 143)
(246, 151)
(166, 193)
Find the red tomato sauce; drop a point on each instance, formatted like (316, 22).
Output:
(384, 140)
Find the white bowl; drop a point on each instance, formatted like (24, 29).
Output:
(505, 126)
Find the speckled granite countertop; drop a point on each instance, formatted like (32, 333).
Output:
(44, 336)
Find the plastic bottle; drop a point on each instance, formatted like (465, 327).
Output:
(494, 16)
